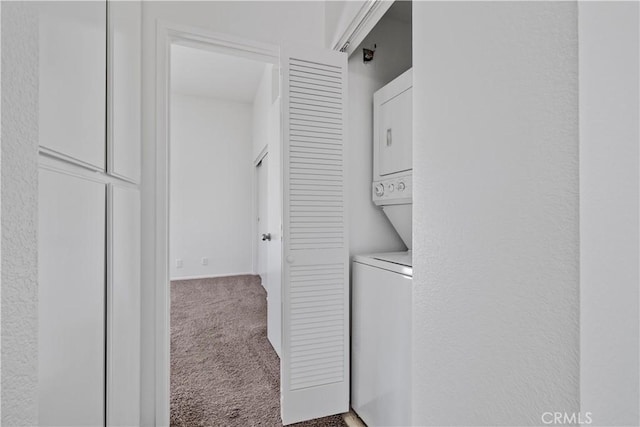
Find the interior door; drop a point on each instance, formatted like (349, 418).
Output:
(274, 247)
(314, 370)
(263, 220)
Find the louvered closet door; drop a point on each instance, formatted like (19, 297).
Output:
(315, 345)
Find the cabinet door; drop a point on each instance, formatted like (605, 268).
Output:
(395, 134)
(71, 304)
(123, 370)
(72, 93)
(125, 19)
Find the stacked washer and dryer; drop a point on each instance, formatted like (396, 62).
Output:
(381, 283)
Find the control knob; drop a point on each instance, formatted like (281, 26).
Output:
(379, 189)
(401, 186)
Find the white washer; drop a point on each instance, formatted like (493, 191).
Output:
(381, 338)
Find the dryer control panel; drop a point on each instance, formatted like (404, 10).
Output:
(392, 191)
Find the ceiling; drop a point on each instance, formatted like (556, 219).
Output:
(205, 73)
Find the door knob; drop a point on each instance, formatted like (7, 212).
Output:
(266, 236)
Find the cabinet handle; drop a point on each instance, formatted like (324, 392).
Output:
(389, 138)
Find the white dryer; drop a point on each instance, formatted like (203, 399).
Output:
(381, 338)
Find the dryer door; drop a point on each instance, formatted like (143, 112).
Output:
(395, 133)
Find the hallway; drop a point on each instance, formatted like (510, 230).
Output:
(224, 371)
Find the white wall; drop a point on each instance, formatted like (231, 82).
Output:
(211, 180)
(609, 175)
(268, 22)
(369, 229)
(19, 192)
(496, 255)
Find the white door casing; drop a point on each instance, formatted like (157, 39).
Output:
(315, 296)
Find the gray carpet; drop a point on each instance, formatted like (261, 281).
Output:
(224, 371)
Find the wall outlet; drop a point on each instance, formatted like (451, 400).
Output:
(178, 263)
(205, 261)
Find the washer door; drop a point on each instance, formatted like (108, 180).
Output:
(381, 346)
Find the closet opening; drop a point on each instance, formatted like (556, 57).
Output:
(381, 203)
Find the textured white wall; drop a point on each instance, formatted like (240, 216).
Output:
(19, 192)
(211, 179)
(496, 292)
(369, 229)
(268, 22)
(609, 185)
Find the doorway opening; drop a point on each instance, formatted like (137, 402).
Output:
(223, 123)
(314, 369)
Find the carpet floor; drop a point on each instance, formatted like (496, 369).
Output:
(224, 371)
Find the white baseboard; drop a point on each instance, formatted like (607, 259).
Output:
(351, 419)
(211, 276)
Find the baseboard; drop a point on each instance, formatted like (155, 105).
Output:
(211, 276)
(351, 419)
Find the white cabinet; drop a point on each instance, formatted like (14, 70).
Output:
(71, 300)
(125, 21)
(123, 330)
(89, 241)
(72, 96)
(393, 135)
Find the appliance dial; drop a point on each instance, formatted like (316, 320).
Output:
(401, 186)
(391, 188)
(379, 189)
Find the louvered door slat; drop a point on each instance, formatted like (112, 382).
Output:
(328, 111)
(301, 113)
(315, 353)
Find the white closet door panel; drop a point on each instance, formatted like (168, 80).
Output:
(315, 297)
(73, 37)
(125, 23)
(71, 272)
(123, 330)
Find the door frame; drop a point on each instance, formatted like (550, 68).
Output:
(166, 35)
(364, 16)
